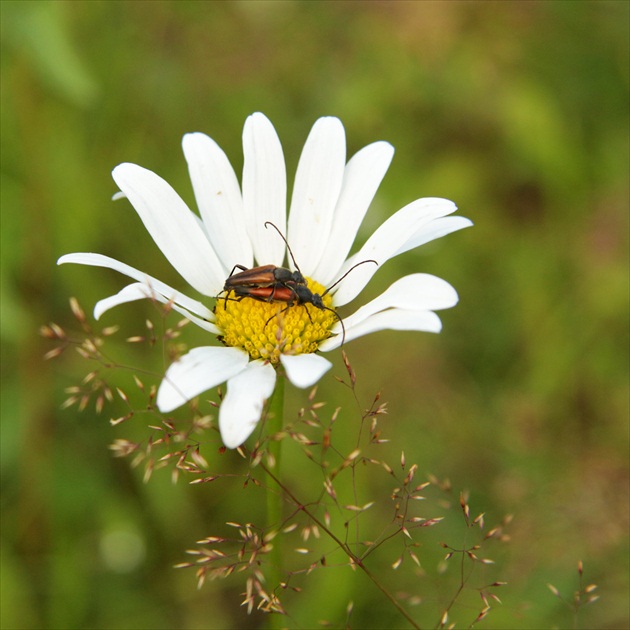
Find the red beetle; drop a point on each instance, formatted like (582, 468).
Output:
(293, 293)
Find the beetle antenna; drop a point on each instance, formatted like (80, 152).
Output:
(343, 328)
(347, 272)
(285, 242)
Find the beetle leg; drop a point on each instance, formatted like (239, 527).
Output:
(308, 313)
(241, 267)
(286, 308)
(238, 298)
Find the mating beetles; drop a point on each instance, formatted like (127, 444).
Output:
(269, 283)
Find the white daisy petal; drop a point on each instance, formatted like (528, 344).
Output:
(172, 226)
(130, 293)
(198, 371)
(139, 291)
(362, 177)
(98, 260)
(435, 229)
(264, 188)
(386, 241)
(304, 370)
(244, 401)
(219, 199)
(416, 292)
(316, 191)
(392, 319)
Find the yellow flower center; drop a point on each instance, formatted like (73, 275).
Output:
(268, 329)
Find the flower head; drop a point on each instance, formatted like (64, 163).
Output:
(270, 322)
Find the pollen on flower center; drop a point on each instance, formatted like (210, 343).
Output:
(268, 329)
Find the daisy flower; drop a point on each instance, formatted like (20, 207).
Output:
(329, 201)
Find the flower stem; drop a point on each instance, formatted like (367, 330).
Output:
(275, 422)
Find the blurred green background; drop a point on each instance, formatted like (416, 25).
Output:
(517, 111)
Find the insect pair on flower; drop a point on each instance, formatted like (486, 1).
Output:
(270, 284)
(330, 198)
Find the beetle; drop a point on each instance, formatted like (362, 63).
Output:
(263, 276)
(269, 283)
(260, 277)
(292, 294)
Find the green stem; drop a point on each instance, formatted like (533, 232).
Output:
(275, 422)
(275, 418)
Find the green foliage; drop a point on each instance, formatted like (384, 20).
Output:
(517, 111)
